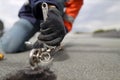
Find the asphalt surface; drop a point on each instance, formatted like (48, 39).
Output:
(83, 58)
(109, 34)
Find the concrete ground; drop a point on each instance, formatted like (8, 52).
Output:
(83, 58)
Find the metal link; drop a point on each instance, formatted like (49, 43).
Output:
(45, 10)
(41, 55)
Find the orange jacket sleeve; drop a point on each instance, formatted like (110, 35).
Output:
(71, 11)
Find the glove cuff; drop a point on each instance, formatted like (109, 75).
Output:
(68, 26)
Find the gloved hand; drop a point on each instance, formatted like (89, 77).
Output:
(38, 44)
(53, 29)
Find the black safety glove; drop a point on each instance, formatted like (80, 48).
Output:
(53, 29)
(38, 44)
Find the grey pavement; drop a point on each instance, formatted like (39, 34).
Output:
(83, 58)
(109, 34)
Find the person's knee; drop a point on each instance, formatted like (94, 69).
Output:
(9, 47)
(8, 50)
(27, 26)
(13, 39)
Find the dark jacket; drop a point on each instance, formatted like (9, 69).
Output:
(33, 13)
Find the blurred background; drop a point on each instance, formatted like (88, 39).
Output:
(87, 54)
(94, 15)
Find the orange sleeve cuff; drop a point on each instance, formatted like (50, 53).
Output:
(73, 7)
(68, 25)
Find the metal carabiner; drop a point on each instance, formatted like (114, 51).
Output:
(44, 10)
(42, 55)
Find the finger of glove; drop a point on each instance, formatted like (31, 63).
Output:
(56, 20)
(37, 44)
(50, 20)
(49, 37)
(52, 27)
(53, 18)
(55, 42)
(45, 24)
(47, 31)
(53, 12)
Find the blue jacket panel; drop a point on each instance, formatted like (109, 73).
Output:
(33, 13)
(26, 13)
(33, 3)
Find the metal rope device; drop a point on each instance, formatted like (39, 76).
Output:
(42, 57)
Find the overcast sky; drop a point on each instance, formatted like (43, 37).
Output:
(95, 14)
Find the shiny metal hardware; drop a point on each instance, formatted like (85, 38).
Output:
(44, 10)
(41, 55)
